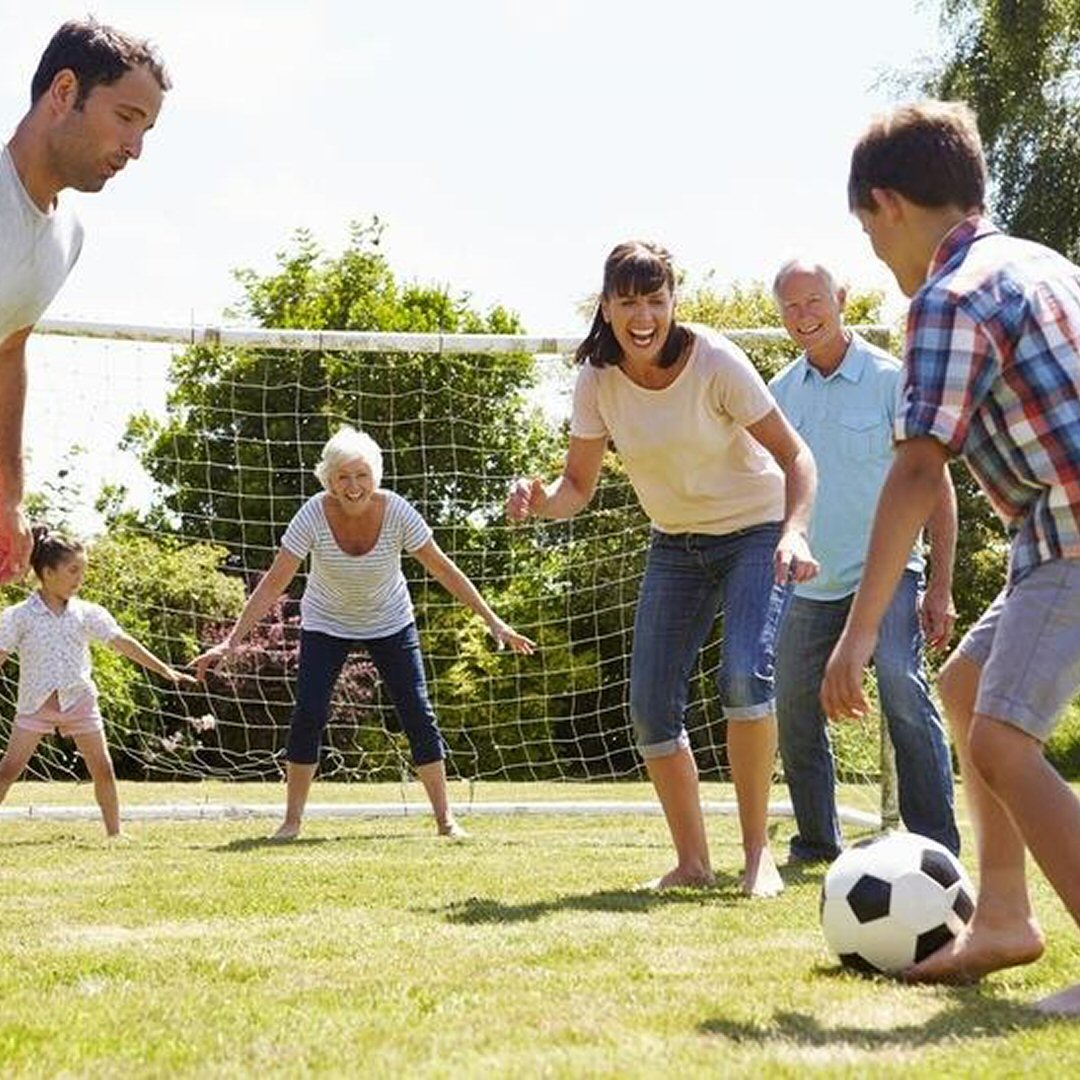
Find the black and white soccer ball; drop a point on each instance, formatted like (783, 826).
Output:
(891, 901)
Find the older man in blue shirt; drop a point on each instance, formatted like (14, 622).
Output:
(841, 396)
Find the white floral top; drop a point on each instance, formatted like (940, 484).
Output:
(54, 652)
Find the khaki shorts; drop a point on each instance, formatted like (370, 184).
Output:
(83, 718)
(1028, 646)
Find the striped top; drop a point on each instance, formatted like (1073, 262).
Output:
(992, 371)
(356, 596)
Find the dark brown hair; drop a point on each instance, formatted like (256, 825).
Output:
(97, 54)
(51, 549)
(633, 268)
(930, 153)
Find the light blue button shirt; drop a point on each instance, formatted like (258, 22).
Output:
(847, 421)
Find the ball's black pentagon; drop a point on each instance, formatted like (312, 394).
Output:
(855, 962)
(964, 906)
(938, 865)
(869, 898)
(931, 941)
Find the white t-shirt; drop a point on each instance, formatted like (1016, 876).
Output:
(37, 251)
(54, 652)
(356, 596)
(693, 464)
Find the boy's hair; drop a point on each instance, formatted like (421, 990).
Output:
(928, 152)
(51, 549)
(97, 54)
(348, 444)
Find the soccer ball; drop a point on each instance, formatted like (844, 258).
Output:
(891, 901)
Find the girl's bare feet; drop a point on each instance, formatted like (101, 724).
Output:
(287, 830)
(452, 831)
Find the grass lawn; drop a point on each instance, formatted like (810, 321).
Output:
(371, 948)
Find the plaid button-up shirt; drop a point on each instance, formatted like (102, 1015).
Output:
(992, 371)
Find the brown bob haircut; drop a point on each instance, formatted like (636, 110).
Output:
(634, 268)
(929, 152)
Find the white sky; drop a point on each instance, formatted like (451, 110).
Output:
(507, 145)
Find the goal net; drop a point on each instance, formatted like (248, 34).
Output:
(183, 455)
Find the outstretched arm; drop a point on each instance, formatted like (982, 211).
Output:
(794, 560)
(273, 583)
(912, 490)
(448, 574)
(128, 646)
(15, 539)
(566, 496)
(938, 613)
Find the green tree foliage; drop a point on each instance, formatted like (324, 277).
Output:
(1016, 62)
(244, 428)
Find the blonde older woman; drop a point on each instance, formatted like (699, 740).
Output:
(356, 596)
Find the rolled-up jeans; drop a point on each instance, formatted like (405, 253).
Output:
(923, 764)
(689, 579)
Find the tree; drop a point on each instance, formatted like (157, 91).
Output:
(1016, 63)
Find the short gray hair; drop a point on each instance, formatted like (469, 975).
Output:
(348, 444)
(804, 265)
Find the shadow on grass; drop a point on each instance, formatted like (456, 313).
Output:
(253, 843)
(478, 910)
(972, 1014)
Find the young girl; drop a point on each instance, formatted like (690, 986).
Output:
(51, 632)
(356, 595)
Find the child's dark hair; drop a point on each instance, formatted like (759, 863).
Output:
(633, 268)
(51, 549)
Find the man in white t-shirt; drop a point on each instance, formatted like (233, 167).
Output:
(95, 94)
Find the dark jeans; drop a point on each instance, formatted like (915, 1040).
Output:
(401, 666)
(923, 764)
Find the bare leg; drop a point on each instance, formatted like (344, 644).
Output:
(675, 778)
(298, 779)
(1003, 931)
(20, 750)
(95, 753)
(433, 777)
(751, 746)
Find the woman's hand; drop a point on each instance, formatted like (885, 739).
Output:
(505, 635)
(210, 659)
(528, 497)
(794, 561)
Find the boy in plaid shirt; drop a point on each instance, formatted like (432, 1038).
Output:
(991, 374)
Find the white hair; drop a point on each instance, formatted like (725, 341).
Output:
(804, 266)
(348, 444)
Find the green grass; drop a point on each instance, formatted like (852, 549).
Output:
(371, 948)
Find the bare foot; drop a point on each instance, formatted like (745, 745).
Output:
(287, 830)
(761, 878)
(980, 949)
(453, 831)
(1063, 1003)
(681, 879)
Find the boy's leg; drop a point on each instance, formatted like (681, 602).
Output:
(1004, 931)
(95, 753)
(20, 750)
(1031, 671)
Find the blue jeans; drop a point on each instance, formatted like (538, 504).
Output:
(689, 579)
(401, 667)
(923, 764)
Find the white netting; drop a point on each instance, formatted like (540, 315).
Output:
(227, 435)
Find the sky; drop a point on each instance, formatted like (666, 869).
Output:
(506, 146)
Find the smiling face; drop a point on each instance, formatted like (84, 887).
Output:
(90, 142)
(352, 483)
(640, 322)
(812, 309)
(63, 581)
